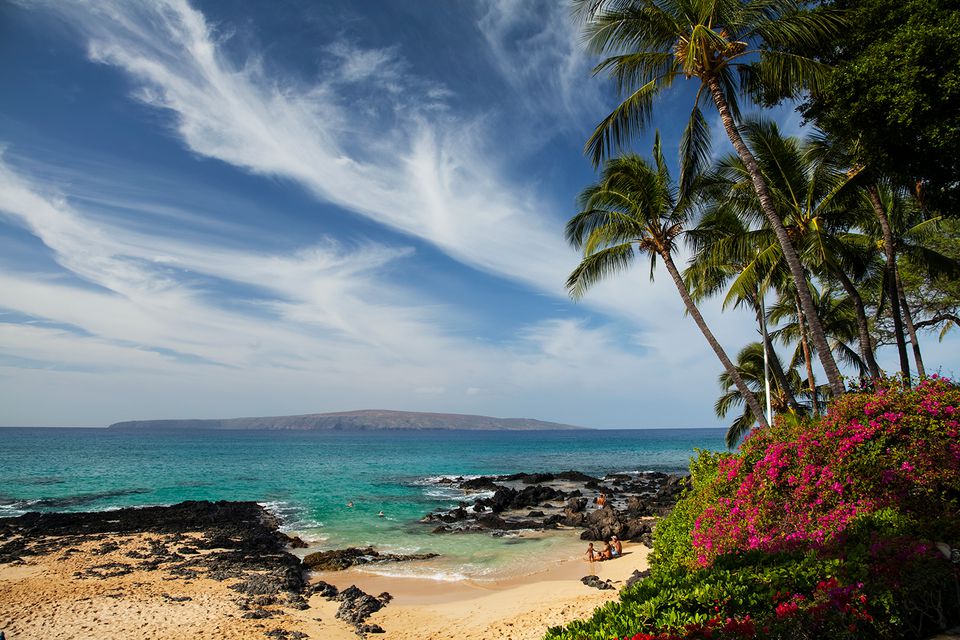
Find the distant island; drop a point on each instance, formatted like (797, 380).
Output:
(366, 420)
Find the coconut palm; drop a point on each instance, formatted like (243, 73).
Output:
(728, 255)
(750, 366)
(816, 196)
(908, 228)
(726, 46)
(839, 320)
(635, 210)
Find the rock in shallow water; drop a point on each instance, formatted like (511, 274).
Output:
(340, 559)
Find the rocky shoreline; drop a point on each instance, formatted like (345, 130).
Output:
(224, 541)
(543, 501)
(240, 543)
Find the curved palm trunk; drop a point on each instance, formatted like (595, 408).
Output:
(890, 279)
(911, 330)
(748, 396)
(789, 253)
(863, 326)
(805, 345)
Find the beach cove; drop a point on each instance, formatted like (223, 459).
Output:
(511, 583)
(90, 587)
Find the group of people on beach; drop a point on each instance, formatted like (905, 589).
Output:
(613, 548)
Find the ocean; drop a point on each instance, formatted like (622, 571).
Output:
(308, 478)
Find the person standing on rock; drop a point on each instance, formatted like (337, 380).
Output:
(602, 500)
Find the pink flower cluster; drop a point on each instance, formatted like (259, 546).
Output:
(800, 485)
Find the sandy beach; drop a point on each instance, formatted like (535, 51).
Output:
(85, 587)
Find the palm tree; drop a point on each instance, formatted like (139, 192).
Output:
(750, 363)
(907, 229)
(839, 320)
(726, 45)
(728, 255)
(635, 210)
(813, 192)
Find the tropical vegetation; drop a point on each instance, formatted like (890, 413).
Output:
(802, 233)
(838, 514)
(840, 526)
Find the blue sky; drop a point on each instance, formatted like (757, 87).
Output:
(214, 209)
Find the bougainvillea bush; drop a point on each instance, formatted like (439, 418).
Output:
(832, 527)
(803, 485)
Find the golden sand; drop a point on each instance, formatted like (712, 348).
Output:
(45, 599)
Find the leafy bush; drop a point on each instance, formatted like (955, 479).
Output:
(672, 546)
(723, 601)
(802, 485)
(825, 528)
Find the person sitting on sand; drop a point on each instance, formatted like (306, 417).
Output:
(617, 546)
(607, 552)
(591, 554)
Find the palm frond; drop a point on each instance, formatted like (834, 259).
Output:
(806, 31)
(739, 429)
(788, 74)
(694, 149)
(598, 266)
(629, 118)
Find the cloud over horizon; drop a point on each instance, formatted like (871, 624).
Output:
(213, 221)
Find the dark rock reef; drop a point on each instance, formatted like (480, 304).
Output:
(236, 541)
(541, 501)
(339, 559)
(242, 541)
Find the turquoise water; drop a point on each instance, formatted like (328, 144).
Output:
(308, 478)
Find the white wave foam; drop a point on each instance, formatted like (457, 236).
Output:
(10, 511)
(441, 478)
(292, 516)
(438, 574)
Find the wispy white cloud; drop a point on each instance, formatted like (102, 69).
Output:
(434, 178)
(536, 46)
(321, 324)
(430, 179)
(325, 312)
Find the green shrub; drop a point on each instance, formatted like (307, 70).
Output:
(672, 546)
(825, 529)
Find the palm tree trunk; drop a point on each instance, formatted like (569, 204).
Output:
(775, 367)
(781, 378)
(911, 330)
(748, 396)
(863, 326)
(890, 279)
(805, 345)
(789, 253)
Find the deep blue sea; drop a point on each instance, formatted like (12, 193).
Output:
(308, 477)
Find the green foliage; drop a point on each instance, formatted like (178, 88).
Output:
(934, 298)
(822, 528)
(896, 90)
(673, 598)
(672, 548)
